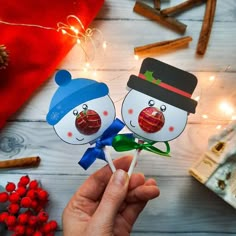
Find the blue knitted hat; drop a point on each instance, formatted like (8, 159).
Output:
(71, 93)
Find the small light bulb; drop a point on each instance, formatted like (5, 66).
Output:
(78, 41)
(205, 116)
(218, 127)
(226, 107)
(63, 31)
(211, 78)
(104, 45)
(76, 31)
(233, 117)
(87, 64)
(136, 57)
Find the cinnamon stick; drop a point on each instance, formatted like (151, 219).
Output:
(181, 7)
(21, 162)
(206, 27)
(153, 14)
(161, 46)
(157, 4)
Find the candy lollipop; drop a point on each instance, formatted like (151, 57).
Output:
(82, 112)
(156, 108)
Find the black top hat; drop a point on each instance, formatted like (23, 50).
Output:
(166, 83)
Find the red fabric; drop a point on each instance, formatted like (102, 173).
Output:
(35, 53)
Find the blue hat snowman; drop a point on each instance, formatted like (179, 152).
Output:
(71, 93)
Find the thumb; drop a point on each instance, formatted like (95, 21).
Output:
(112, 199)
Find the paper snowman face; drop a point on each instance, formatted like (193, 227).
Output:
(159, 101)
(80, 110)
(86, 122)
(151, 119)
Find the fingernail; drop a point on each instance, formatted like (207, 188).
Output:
(120, 177)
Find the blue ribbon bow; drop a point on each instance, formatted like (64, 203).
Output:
(106, 139)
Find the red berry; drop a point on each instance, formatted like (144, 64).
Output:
(37, 233)
(29, 231)
(43, 216)
(49, 234)
(23, 218)
(47, 228)
(13, 208)
(32, 194)
(21, 191)
(10, 221)
(53, 225)
(32, 220)
(3, 216)
(34, 204)
(20, 230)
(39, 189)
(38, 209)
(24, 180)
(3, 197)
(43, 195)
(28, 212)
(10, 187)
(14, 197)
(12, 228)
(33, 184)
(26, 202)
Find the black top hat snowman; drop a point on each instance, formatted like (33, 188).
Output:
(157, 106)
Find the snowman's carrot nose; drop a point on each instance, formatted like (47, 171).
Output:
(151, 120)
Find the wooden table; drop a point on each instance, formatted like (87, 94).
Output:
(185, 207)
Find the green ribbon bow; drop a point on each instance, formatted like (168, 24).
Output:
(123, 143)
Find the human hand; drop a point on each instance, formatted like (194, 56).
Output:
(108, 204)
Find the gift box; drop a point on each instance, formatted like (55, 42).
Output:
(216, 168)
(34, 45)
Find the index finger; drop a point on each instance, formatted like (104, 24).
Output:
(95, 185)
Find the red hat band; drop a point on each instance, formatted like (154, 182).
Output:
(160, 83)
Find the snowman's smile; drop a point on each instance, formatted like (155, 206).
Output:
(80, 139)
(131, 124)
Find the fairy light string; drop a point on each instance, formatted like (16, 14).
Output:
(75, 29)
(225, 106)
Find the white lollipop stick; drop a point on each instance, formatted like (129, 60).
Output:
(109, 159)
(133, 163)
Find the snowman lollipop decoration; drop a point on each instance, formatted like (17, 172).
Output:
(156, 108)
(82, 112)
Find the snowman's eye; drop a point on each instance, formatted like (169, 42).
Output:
(75, 112)
(85, 106)
(163, 108)
(151, 103)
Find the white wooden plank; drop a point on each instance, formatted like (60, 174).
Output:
(184, 205)
(20, 139)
